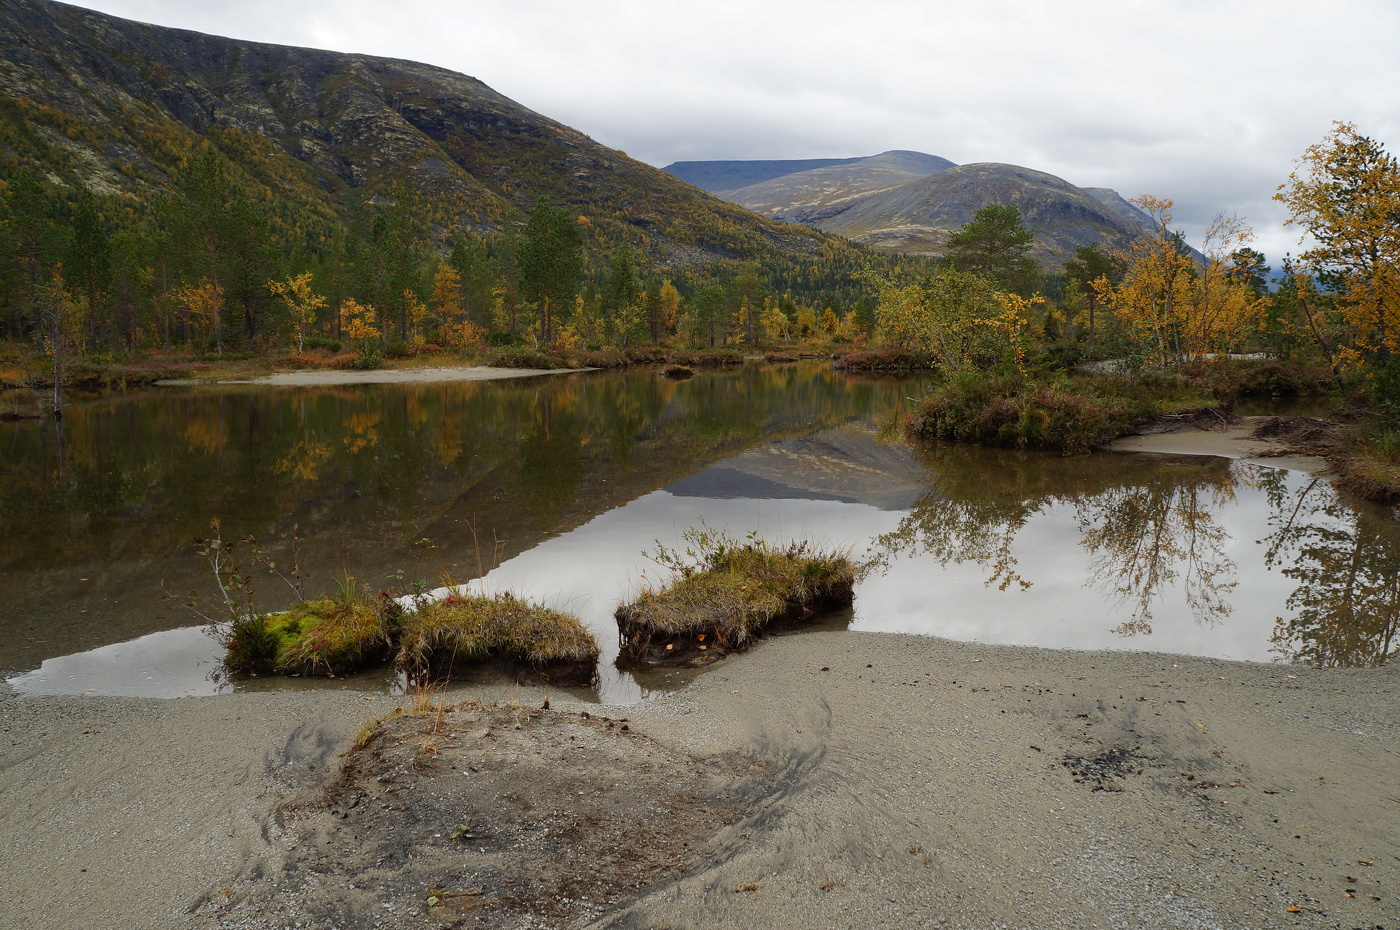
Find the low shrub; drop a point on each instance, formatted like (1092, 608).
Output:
(523, 358)
(497, 339)
(249, 645)
(708, 358)
(322, 343)
(725, 593)
(1071, 415)
(600, 358)
(442, 637)
(398, 349)
(642, 355)
(885, 360)
(368, 360)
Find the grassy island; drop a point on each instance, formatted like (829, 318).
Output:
(350, 632)
(727, 594)
(461, 630)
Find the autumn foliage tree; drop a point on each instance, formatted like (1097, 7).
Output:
(1345, 195)
(302, 304)
(1177, 308)
(959, 317)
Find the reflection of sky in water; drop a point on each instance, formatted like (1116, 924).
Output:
(593, 568)
(919, 595)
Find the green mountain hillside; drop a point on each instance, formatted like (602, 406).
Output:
(116, 106)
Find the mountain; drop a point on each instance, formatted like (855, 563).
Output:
(1116, 204)
(91, 100)
(910, 202)
(807, 197)
(918, 217)
(719, 176)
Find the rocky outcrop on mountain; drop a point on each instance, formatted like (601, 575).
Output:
(115, 105)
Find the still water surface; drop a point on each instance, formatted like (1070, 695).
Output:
(555, 487)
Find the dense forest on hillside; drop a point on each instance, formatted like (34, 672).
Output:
(216, 263)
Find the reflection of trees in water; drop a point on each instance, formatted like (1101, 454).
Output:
(958, 531)
(1145, 539)
(1347, 565)
(381, 465)
(1147, 527)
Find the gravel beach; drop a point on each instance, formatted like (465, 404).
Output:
(820, 780)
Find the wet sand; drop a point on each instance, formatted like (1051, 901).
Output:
(919, 783)
(1231, 441)
(381, 376)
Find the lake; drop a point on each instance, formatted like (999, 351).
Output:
(556, 488)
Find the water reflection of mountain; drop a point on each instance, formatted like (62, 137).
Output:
(846, 464)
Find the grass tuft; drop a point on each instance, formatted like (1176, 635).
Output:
(338, 634)
(330, 634)
(725, 593)
(462, 629)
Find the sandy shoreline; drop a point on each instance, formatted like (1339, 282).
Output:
(924, 783)
(1230, 441)
(379, 376)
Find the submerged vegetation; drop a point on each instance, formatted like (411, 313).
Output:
(726, 592)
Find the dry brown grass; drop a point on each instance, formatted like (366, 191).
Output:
(462, 629)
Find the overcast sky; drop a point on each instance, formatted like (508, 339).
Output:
(1204, 101)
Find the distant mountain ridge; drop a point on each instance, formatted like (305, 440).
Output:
(911, 202)
(719, 176)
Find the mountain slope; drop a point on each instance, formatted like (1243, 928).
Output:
(116, 105)
(910, 202)
(918, 216)
(719, 176)
(807, 197)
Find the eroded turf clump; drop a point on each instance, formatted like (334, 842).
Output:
(460, 630)
(726, 593)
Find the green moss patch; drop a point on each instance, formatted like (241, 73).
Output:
(336, 635)
(461, 630)
(722, 604)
